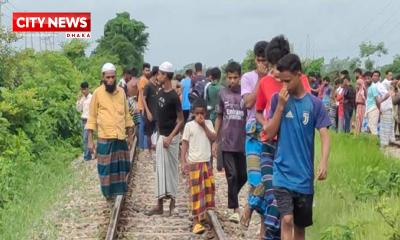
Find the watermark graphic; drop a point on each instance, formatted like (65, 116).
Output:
(73, 24)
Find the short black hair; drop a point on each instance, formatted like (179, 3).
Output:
(179, 77)
(84, 85)
(134, 72)
(259, 48)
(199, 103)
(233, 67)
(154, 71)
(208, 72)
(327, 79)
(358, 70)
(346, 77)
(170, 76)
(312, 74)
(215, 73)
(126, 71)
(189, 72)
(146, 65)
(276, 49)
(198, 67)
(376, 71)
(388, 71)
(368, 74)
(290, 62)
(397, 77)
(345, 72)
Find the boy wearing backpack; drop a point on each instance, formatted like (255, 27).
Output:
(212, 92)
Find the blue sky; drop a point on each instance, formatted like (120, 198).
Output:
(213, 31)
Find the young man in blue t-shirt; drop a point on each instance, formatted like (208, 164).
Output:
(295, 114)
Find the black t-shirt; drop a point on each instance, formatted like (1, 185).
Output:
(349, 97)
(168, 106)
(150, 92)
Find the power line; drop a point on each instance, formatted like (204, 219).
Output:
(368, 23)
(12, 5)
(380, 26)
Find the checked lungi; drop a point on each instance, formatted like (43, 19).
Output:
(202, 187)
(386, 127)
(113, 166)
(260, 156)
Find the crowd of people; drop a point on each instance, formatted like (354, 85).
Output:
(256, 127)
(370, 105)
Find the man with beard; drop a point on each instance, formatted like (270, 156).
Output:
(109, 115)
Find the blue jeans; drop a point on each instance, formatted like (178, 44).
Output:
(348, 113)
(86, 153)
(142, 137)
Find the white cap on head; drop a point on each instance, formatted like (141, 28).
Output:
(166, 67)
(108, 67)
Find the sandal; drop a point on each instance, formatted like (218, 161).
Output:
(198, 229)
(154, 211)
(235, 218)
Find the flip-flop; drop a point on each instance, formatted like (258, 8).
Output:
(198, 229)
(234, 218)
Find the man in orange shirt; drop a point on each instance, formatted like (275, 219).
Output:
(144, 79)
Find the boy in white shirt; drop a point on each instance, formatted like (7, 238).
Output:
(196, 153)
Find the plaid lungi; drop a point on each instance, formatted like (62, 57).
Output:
(113, 166)
(262, 198)
(386, 127)
(202, 187)
(253, 148)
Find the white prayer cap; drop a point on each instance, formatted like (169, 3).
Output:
(108, 67)
(166, 67)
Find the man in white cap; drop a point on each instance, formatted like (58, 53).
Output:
(109, 115)
(170, 122)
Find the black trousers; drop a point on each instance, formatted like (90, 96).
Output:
(236, 175)
(186, 115)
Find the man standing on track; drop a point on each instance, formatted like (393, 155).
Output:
(169, 122)
(109, 115)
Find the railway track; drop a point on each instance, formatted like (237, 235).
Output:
(127, 219)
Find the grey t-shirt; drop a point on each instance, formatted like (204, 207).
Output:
(233, 131)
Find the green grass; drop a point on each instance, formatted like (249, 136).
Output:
(43, 182)
(336, 208)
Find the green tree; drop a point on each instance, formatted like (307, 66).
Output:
(249, 63)
(125, 38)
(74, 49)
(368, 50)
(336, 65)
(6, 56)
(313, 65)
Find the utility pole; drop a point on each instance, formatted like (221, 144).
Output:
(2, 2)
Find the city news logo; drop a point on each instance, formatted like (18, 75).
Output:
(74, 24)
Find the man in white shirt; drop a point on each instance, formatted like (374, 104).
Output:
(386, 133)
(82, 105)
